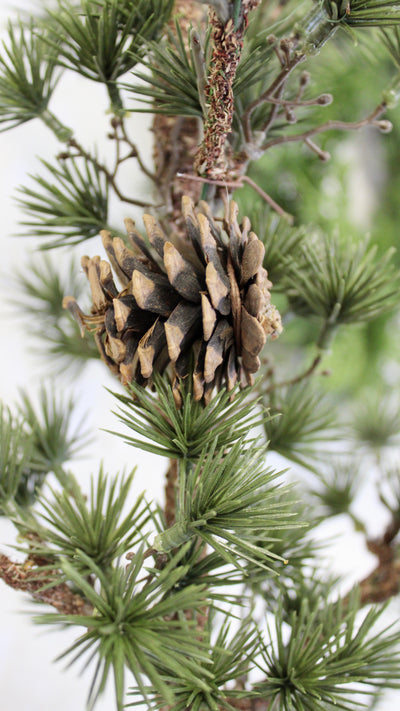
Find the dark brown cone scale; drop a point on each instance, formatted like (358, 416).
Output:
(207, 296)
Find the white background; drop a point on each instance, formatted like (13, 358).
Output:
(28, 678)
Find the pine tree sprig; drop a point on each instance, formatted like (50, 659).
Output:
(301, 424)
(230, 655)
(231, 502)
(341, 284)
(376, 422)
(337, 487)
(15, 456)
(295, 547)
(28, 78)
(40, 289)
(68, 522)
(72, 202)
(324, 661)
(102, 39)
(183, 432)
(169, 83)
(132, 628)
(56, 439)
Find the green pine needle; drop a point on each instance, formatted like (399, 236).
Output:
(372, 13)
(389, 493)
(103, 39)
(376, 421)
(39, 292)
(363, 13)
(69, 522)
(337, 487)
(341, 283)
(27, 75)
(55, 439)
(301, 424)
(295, 548)
(15, 456)
(230, 656)
(178, 433)
(170, 83)
(72, 201)
(136, 626)
(328, 657)
(232, 502)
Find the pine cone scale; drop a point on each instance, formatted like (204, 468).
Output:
(181, 328)
(155, 295)
(181, 274)
(209, 317)
(151, 346)
(217, 347)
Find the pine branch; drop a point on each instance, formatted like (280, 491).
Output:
(54, 440)
(68, 523)
(341, 285)
(230, 501)
(188, 312)
(39, 292)
(183, 432)
(153, 641)
(15, 456)
(24, 577)
(103, 39)
(301, 425)
(28, 78)
(326, 656)
(72, 202)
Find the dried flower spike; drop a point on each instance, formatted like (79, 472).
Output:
(206, 296)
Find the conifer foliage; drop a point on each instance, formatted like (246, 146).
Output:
(215, 314)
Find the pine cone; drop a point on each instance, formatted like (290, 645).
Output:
(207, 295)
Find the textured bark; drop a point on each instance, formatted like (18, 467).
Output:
(171, 478)
(27, 577)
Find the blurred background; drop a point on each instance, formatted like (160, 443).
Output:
(356, 193)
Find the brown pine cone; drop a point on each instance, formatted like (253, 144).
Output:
(207, 296)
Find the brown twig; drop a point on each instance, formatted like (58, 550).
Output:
(239, 184)
(135, 154)
(273, 91)
(110, 176)
(27, 577)
(302, 376)
(384, 581)
(331, 125)
(170, 492)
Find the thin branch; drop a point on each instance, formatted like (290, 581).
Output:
(268, 93)
(135, 154)
(110, 177)
(302, 376)
(271, 202)
(239, 184)
(384, 581)
(170, 492)
(328, 126)
(24, 577)
(321, 100)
